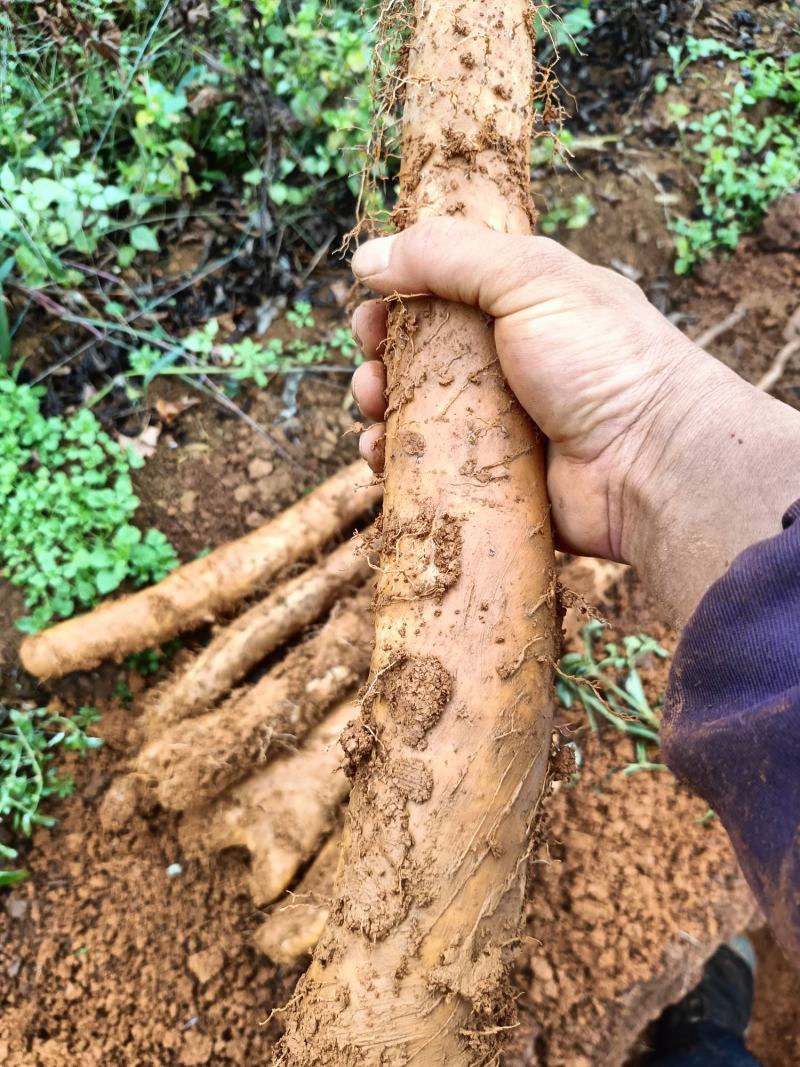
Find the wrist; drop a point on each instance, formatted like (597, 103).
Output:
(715, 469)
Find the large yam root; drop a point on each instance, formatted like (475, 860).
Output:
(237, 648)
(281, 813)
(412, 967)
(293, 930)
(206, 589)
(197, 759)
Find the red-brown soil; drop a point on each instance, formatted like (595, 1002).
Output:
(774, 1036)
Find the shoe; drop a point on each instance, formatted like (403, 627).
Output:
(722, 998)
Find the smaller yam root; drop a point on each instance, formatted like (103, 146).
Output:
(205, 589)
(197, 759)
(237, 648)
(281, 813)
(292, 930)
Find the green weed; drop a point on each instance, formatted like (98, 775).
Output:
(746, 149)
(29, 743)
(150, 660)
(66, 501)
(200, 353)
(100, 130)
(606, 683)
(575, 214)
(66, 496)
(562, 26)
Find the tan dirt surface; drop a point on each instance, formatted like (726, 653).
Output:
(106, 960)
(630, 894)
(104, 956)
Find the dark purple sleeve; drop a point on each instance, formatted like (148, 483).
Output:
(732, 718)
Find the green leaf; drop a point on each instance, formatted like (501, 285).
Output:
(31, 265)
(112, 195)
(44, 192)
(57, 234)
(126, 255)
(12, 877)
(106, 581)
(357, 59)
(144, 239)
(8, 180)
(278, 193)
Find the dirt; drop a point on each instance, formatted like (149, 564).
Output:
(627, 884)
(774, 1037)
(59, 1002)
(225, 478)
(629, 894)
(627, 879)
(417, 690)
(107, 960)
(763, 278)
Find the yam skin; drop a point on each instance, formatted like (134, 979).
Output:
(237, 648)
(281, 813)
(292, 930)
(205, 589)
(412, 966)
(198, 759)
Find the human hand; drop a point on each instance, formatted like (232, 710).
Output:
(645, 430)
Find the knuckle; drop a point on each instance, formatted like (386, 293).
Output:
(547, 257)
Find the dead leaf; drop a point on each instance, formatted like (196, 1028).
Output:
(145, 443)
(341, 291)
(198, 14)
(169, 410)
(206, 98)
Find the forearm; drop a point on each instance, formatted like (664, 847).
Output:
(715, 481)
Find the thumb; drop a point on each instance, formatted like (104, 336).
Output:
(468, 263)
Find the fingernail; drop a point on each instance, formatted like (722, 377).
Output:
(355, 334)
(372, 258)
